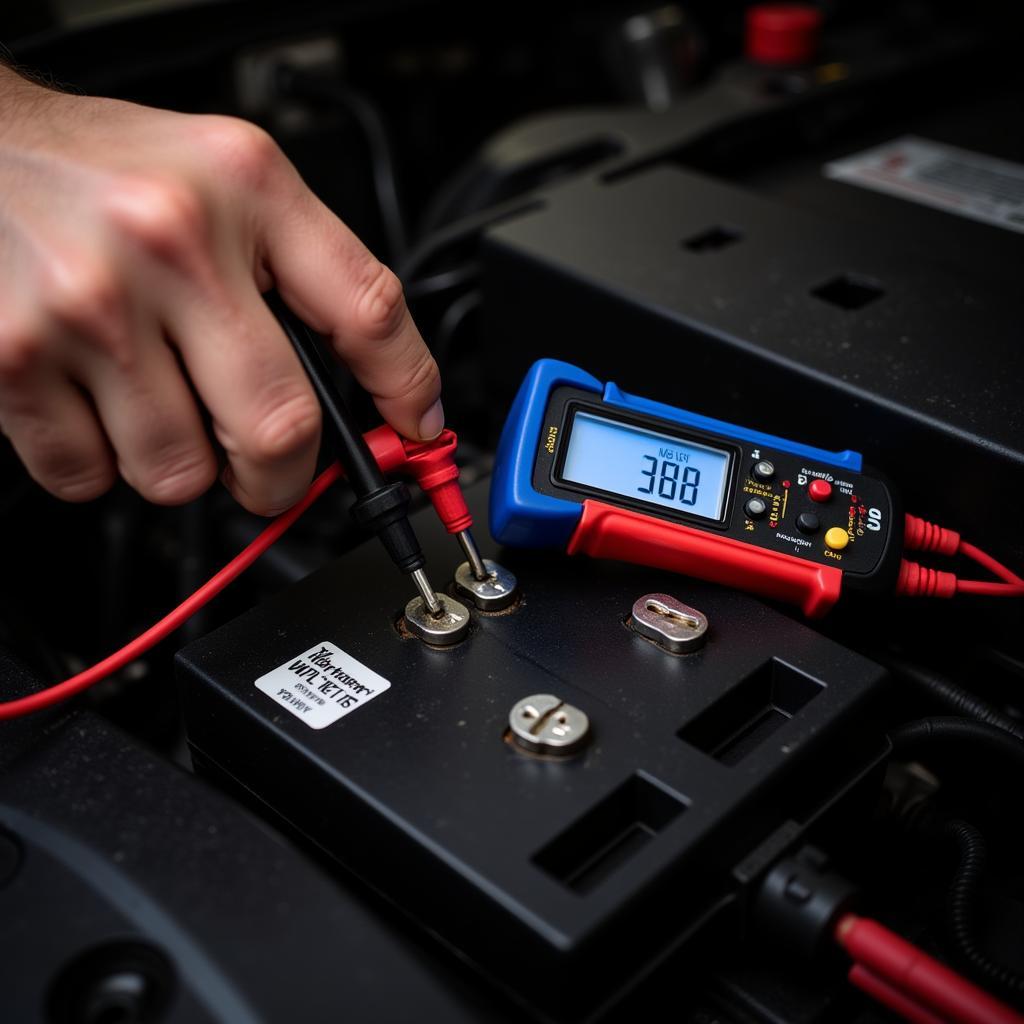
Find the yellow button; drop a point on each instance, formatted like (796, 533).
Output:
(837, 538)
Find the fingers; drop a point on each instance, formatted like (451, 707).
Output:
(54, 430)
(142, 408)
(152, 421)
(138, 256)
(330, 279)
(265, 414)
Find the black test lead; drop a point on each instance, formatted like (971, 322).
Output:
(380, 506)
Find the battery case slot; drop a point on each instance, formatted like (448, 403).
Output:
(719, 237)
(751, 712)
(849, 291)
(609, 834)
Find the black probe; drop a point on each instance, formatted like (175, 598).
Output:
(380, 506)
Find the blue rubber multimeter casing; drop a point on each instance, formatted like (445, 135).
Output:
(784, 519)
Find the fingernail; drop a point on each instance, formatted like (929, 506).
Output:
(433, 422)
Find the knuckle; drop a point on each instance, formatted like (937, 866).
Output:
(379, 302)
(178, 475)
(289, 426)
(419, 375)
(239, 149)
(164, 216)
(81, 485)
(261, 505)
(21, 350)
(68, 474)
(85, 296)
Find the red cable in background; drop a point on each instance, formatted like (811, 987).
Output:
(911, 983)
(430, 463)
(889, 995)
(170, 622)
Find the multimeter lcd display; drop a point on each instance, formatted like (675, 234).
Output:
(646, 466)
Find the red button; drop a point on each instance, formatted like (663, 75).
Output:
(782, 34)
(819, 490)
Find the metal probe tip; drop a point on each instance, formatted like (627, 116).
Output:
(419, 577)
(476, 563)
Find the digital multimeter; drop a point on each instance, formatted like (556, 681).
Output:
(588, 467)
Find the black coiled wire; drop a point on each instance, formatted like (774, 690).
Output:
(962, 912)
(982, 742)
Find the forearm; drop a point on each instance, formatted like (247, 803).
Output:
(23, 99)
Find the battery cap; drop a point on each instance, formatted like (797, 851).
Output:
(782, 34)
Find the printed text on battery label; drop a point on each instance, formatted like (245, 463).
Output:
(322, 684)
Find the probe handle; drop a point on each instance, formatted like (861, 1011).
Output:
(605, 531)
(380, 507)
(360, 466)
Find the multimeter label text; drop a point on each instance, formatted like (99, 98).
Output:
(800, 542)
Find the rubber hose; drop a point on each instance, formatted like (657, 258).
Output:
(956, 699)
(916, 736)
(962, 907)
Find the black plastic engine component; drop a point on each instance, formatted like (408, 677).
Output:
(131, 891)
(605, 266)
(710, 244)
(565, 878)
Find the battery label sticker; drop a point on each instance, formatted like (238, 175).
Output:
(322, 685)
(956, 180)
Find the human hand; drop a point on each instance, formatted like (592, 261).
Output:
(134, 247)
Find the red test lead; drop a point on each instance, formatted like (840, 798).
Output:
(916, 580)
(432, 464)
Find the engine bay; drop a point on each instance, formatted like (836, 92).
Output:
(729, 324)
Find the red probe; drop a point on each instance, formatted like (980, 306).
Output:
(431, 464)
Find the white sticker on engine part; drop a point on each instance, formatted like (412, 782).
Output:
(956, 180)
(322, 685)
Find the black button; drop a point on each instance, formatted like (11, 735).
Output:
(764, 470)
(808, 522)
(755, 508)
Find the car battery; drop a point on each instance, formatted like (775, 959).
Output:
(590, 780)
